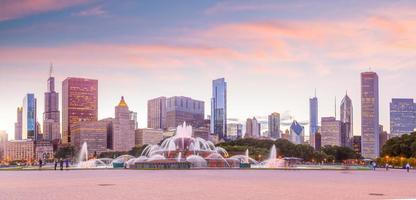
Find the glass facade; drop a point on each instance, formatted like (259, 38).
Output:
(347, 121)
(274, 125)
(29, 128)
(79, 103)
(219, 108)
(402, 116)
(313, 119)
(369, 115)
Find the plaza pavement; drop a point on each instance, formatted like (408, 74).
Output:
(206, 184)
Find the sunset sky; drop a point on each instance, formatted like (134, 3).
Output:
(273, 54)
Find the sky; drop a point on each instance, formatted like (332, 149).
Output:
(273, 54)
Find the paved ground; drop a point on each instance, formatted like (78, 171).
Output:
(206, 184)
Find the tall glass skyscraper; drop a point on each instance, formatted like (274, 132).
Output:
(402, 116)
(369, 115)
(219, 108)
(29, 120)
(274, 125)
(313, 119)
(79, 103)
(346, 120)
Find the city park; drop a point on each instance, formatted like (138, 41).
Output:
(182, 151)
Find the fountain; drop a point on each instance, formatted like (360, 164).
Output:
(84, 162)
(273, 161)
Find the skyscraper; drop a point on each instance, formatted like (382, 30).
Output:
(402, 116)
(184, 109)
(369, 115)
(297, 133)
(252, 128)
(156, 113)
(29, 119)
(3, 143)
(79, 103)
(313, 119)
(18, 125)
(330, 132)
(123, 128)
(219, 108)
(51, 118)
(347, 121)
(274, 125)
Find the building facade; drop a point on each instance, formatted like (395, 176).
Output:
(51, 115)
(94, 133)
(20, 150)
(369, 115)
(148, 136)
(18, 125)
(297, 133)
(346, 117)
(79, 103)
(219, 108)
(43, 150)
(234, 131)
(29, 118)
(252, 128)
(402, 116)
(330, 132)
(123, 128)
(184, 109)
(274, 125)
(156, 113)
(313, 119)
(356, 144)
(4, 138)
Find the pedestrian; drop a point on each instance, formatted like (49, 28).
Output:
(56, 163)
(387, 167)
(40, 163)
(408, 167)
(61, 164)
(374, 166)
(66, 163)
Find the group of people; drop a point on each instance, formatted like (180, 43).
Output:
(387, 166)
(61, 163)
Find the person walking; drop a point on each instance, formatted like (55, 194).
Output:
(66, 163)
(387, 167)
(56, 163)
(61, 164)
(407, 167)
(374, 166)
(40, 163)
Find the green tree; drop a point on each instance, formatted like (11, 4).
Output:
(65, 152)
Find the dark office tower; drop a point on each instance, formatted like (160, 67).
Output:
(51, 116)
(184, 109)
(18, 124)
(274, 125)
(313, 118)
(347, 121)
(402, 116)
(369, 115)
(79, 103)
(156, 113)
(219, 108)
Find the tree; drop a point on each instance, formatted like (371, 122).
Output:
(339, 153)
(137, 150)
(65, 152)
(403, 146)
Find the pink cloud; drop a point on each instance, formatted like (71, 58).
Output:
(13, 9)
(94, 11)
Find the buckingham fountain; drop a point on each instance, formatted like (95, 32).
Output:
(181, 151)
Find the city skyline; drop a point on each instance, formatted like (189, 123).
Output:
(261, 61)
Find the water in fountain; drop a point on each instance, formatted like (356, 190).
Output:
(84, 162)
(273, 161)
(179, 157)
(83, 153)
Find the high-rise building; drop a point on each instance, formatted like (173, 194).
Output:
(219, 108)
(51, 116)
(184, 109)
(297, 133)
(94, 133)
(122, 128)
(20, 150)
(274, 125)
(347, 121)
(330, 132)
(402, 116)
(18, 125)
(79, 103)
(313, 119)
(3, 143)
(369, 115)
(29, 122)
(156, 113)
(252, 128)
(383, 137)
(234, 131)
(148, 136)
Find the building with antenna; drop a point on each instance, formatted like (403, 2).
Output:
(51, 115)
(346, 118)
(313, 119)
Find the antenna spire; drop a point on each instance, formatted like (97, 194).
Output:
(50, 70)
(335, 107)
(315, 92)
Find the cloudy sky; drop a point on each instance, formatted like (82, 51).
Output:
(273, 54)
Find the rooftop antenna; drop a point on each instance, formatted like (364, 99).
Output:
(315, 92)
(50, 70)
(335, 107)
